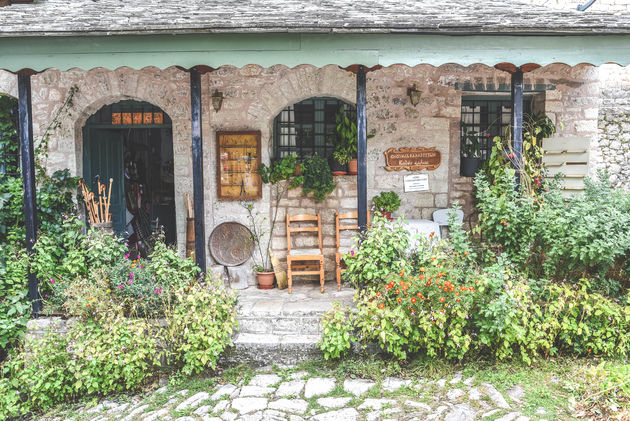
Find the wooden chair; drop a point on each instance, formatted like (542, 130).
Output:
(341, 252)
(309, 261)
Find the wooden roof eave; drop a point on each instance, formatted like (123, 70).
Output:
(293, 49)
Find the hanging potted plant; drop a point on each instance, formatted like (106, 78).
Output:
(317, 178)
(386, 203)
(346, 148)
(470, 153)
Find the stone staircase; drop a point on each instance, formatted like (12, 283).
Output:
(278, 328)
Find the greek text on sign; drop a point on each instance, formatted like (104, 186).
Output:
(412, 159)
(416, 182)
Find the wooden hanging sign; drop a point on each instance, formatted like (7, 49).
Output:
(412, 159)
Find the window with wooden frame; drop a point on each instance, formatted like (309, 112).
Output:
(308, 127)
(487, 117)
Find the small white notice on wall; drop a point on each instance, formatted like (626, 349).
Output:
(416, 182)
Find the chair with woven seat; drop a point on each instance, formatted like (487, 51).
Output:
(305, 261)
(342, 250)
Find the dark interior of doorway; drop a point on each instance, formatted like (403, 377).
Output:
(148, 172)
(131, 142)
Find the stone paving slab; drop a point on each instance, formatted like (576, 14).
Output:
(299, 396)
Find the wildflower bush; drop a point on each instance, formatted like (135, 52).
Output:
(441, 301)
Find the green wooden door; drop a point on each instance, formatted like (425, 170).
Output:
(103, 159)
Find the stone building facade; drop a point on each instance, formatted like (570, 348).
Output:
(589, 102)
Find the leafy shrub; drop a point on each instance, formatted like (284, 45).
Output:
(584, 236)
(14, 304)
(444, 304)
(38, 377)
(114, 354)
(202, 323)
(383, 250)
(337, 332)
(317, 178)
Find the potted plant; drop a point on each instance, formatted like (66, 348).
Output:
(346, 149)
(386, 203)
(281, 175)
(317, 178)
(470, 153)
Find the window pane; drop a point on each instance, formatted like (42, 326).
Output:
(308, 127)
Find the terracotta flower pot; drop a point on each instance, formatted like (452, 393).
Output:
(353, 166)
(387, 215)
(265, 280)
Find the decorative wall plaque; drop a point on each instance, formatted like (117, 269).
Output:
(238, 159)
(412, 159)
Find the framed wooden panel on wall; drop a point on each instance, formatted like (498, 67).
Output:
(238, 160)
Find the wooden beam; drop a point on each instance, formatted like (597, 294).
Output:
(517, 121)
(25, 117)
(197, 168)
(362, 149)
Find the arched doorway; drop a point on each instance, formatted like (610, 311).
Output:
(132, 142)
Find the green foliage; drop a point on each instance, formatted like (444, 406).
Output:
(69, 256)
(113, 354)
(438, 300)
(38, 377)
(584, 236)
(337, 330)
(107, 352)
(202, 324)
(610, 387)
(14, 305)
(346, 147)
(387, 201)
(383, 250)
(9, 143)
(317, 178)
(284, 169)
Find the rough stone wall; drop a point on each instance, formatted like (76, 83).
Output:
(255, 95)
(614, 124)
(168, 89)
(599, 5)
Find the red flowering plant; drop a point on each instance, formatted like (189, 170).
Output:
(437, 297)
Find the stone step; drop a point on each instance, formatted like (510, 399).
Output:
(265, 349)
(279, 325)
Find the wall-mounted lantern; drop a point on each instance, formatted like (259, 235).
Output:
(414, 95)
(217, 100)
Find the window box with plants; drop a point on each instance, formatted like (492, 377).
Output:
(386, 203)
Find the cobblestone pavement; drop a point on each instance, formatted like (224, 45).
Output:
(300, 396)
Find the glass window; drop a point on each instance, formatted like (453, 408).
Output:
(488, 117)
(308, 127)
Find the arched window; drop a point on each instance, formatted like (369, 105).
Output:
(308, 127)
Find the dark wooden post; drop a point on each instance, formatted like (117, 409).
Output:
(361, 150)
(25, 116)
(517, 121)
(197, 168)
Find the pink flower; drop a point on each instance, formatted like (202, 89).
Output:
(129, 282)
(131, 275)
(352, 253)
(52, 280)
(127, 256)
(120, 286)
